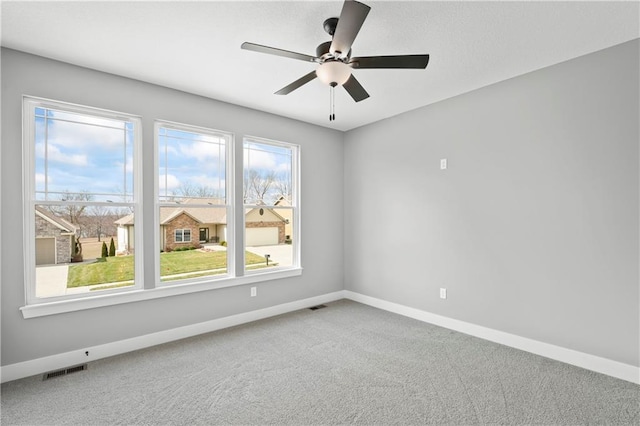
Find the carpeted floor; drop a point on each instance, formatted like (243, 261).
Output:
(346, 363)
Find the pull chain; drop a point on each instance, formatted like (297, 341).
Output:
(332, 102)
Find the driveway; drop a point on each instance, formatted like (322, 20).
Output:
(282, 254)
(51, 280)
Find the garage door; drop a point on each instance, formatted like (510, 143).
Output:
(45, 251)
(262, 236)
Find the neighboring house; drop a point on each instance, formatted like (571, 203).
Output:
(264, 227)
(287, 214)
(55, 238)
(185, 226)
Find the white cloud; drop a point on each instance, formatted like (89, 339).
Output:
(40, 179)
(259, 160)
(169, 182)
(209, 182)
(88, 134)
(167, 149)
(128, 166)
(55, 155)
(202, 151)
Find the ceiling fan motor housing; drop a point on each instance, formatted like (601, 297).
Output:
(330, 25)
(322, 52)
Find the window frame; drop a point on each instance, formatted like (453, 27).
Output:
(209, 281)
(30, 201)
(149, 287)
(182, 231)
(295, 205)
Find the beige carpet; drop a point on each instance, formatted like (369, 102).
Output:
(346, 363)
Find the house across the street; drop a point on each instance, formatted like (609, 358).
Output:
(188, 226)
(55, 238)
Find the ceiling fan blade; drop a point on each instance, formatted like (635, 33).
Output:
(355, 89)
(296, 84)
(351, 19)
(398, 61)
(278, 52)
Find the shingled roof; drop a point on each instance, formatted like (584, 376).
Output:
(214, 213)
(62, 224)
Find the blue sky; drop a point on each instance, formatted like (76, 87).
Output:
(83, 154)
(93, 154)
(191, 161)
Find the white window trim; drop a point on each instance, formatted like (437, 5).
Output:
(29, 103)
(229, 200)
(295, 202)
(103, 299)
(152, 289)
(182, 233)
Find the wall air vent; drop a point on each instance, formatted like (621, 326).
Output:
(315, 308)
(64, 371)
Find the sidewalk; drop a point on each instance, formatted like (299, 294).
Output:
(51, 280)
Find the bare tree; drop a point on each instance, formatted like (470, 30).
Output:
(246, 187)
(283, 185)
(189, 189)
(73, 213)
(100, 219)
(258, 185)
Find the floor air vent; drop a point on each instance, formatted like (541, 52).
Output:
(315, 308)
(64, 371)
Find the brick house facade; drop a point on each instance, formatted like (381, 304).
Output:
(181, 222)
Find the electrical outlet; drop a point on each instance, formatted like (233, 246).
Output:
(443, 164)
(443, 293)
(254, 291)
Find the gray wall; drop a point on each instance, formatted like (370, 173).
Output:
(533, 229)
(24, 340)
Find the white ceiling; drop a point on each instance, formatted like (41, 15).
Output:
(195, 46)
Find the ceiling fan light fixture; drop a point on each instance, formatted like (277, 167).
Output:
(333, 72)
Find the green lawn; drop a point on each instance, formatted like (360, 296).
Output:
(120, 269)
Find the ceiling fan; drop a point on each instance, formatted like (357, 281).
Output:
(334, 59)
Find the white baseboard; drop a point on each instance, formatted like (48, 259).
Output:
(67, 359)
(590, 362)
(54, 362)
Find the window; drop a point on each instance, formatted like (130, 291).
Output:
(193, 202)
(81, 186)
(183, 236)
(270, 205)
(84, 216)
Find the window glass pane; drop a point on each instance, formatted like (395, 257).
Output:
(268, 237)
(192, 166)
(81, 248)
(192, 241)
(267, 173)
(192, 202)
(270, 210)
(82, 158)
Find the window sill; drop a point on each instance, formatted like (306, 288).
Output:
(53, 308)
